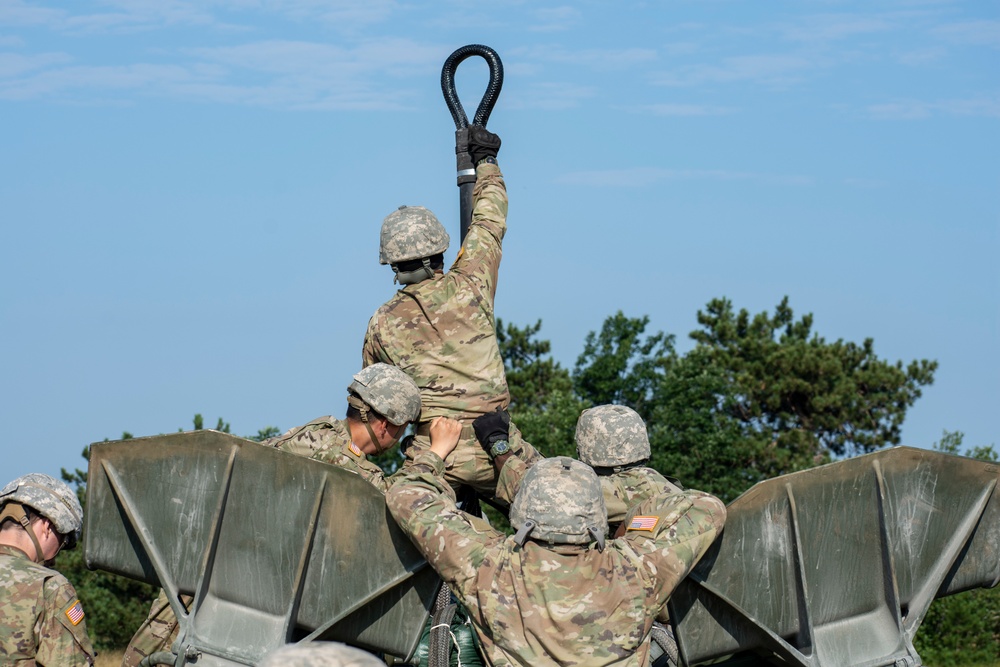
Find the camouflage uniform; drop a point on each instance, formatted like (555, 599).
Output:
(565, 604)
(157, 633)
(612, 439)
(41, 620)
(329, 440)
(441, 331)
(624, 489)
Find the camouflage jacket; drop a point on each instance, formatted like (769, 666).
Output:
(329, 440)
(41, 620)
(441, 331)
(622, 490)
(557, 604)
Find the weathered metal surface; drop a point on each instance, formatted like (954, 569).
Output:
(273, 546)
(837, 565)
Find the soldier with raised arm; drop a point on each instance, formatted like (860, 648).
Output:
(440, 327)
(41, 618)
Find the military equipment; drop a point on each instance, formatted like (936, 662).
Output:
(466, 168)
(832, 566)
(609, 436)
(389, 391)
(560, 501)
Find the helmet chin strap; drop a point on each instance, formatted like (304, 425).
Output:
(362, 407)
(16, 511)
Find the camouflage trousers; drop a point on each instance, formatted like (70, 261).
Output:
(157, 633)
(470, 465)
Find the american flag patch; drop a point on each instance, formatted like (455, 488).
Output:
(643, 523)
(354, 448)
(75, 613)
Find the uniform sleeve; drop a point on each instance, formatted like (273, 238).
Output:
(625, 489)
(424, 506)
(670, 533)
(373, 350)
(479, 259)
(62, 633)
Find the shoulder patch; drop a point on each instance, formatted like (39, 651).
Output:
(354, 449)
(643, 523)
(75, 613)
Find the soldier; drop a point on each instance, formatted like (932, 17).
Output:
(381, 401)
(612, 440)
(440, 327)
(41, 619)
(557, 592)
(320, 654)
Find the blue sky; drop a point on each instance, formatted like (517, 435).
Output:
(191, 192)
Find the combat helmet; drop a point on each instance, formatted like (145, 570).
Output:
(48, 497)
(560, 501)
(611, 436)
(388, 391)
(411, 233)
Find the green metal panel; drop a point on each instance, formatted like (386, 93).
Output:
(837, 565)
(272, 546)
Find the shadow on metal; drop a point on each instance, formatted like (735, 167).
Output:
(837, 565)
(273, 547)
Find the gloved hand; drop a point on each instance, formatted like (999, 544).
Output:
(491, 427)
(482, 143)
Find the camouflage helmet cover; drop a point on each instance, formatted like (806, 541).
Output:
(562, 498)
(320, 654)
(411, 232)
(389, 391)
(611, 435)
(49, 497)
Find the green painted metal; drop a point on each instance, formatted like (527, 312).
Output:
(273, 547)
(828, 567)
(836, 566)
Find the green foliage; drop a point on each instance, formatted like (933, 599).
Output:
(543, 405)
(962, 630)
(263, 434)
(621, 364)
(806, 394)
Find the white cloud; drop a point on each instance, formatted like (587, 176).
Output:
(20, 13)
(918, 109)
(549, 96)
(921, 57)
(280, 74)
(594, 59)
(824, 28)
(639, 177)
(981, 33)
(772, 70)
(554, 19)
(680, 110)
(15, 64)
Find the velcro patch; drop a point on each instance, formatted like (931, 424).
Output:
(644, 523)
(354, 448)
(75, 613)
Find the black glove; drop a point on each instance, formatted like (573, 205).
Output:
(491, 427)
(482, 144)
